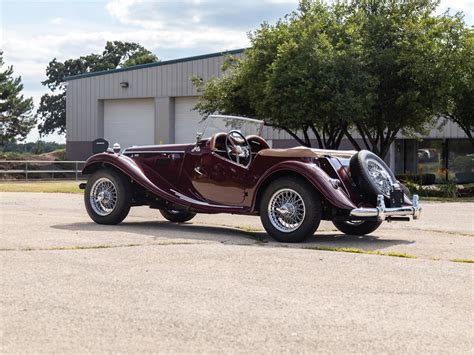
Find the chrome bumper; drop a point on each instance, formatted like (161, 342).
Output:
(382, 213)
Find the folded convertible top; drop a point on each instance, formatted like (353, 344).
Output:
(305, 152)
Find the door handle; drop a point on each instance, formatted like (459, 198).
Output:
(173, 156)
(198, 170)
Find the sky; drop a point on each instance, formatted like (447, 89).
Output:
(32, 33)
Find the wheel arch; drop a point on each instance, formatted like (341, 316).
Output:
(312, 175)
(137, 189)
(93, 167)
(275, 176)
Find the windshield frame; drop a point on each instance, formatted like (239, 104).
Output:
(212, 118)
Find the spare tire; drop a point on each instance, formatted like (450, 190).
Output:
(372, 176)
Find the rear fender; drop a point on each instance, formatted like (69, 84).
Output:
(314, 175)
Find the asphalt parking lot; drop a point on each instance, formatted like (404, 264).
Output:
(220, 284)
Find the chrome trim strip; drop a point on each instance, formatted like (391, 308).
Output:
(154, 151)
(382, 213)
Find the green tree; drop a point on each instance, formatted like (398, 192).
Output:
(401, 43)
(16, 118)
(458, 69)
(316, 82)
(298, 75)
(52, 109)
(366, 67)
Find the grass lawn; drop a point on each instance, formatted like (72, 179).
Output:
(446, 199)
(41, 186)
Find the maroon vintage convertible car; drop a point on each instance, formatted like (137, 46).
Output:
(234, 170)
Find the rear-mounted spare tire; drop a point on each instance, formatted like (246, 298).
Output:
(371, 175)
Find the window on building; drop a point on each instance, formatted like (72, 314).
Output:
(399, 156)
(430, 158)
(410, 158)
(461, 160)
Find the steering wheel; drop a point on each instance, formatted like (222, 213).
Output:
(238, 148)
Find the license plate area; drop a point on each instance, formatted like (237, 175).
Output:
(396, 198)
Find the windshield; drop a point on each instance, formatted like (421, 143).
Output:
(219, 123)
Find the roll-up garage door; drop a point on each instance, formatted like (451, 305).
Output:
(129, 122)
(186, 120)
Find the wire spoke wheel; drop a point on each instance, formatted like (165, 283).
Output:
(286, 210)
(380, 176)
(103, 196)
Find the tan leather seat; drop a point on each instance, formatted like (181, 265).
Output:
(305, 152)
(214, 138)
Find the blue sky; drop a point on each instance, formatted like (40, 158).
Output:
(34, 32)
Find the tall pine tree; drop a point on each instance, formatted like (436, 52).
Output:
(16, 118)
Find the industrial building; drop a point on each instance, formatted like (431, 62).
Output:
(153, 104)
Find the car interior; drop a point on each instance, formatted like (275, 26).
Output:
(229, 145)
(258, 145)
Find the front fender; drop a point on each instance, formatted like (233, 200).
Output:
(315, 175)
(121, 162)
(130, 168)
(127, 166)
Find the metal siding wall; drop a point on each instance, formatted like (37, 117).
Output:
(147, 82)
(205, 69)
(181, 79)
(86, 109)
(449, 130)
(162, 81)
(83, 111)
(169, 80)
(82, 127)
(69, 122)
(92, 114)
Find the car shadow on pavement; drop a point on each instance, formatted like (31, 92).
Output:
(168, 231)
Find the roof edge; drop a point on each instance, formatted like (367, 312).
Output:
(155, 64)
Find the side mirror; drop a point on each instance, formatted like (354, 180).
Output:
(198, 140)
(198, 137)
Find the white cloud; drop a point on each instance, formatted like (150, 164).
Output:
(161, 14)
(78, 43)
(465, 6)
(122, 11)
(57, 21)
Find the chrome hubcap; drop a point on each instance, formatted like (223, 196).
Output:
(354, 223)
(103, 196)
(286, 210)
(380, 176)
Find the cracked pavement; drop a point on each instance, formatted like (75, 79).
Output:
(220, 284)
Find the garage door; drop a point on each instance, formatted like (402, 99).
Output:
(129, 122)
(186, 120)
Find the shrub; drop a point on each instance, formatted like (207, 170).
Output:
(413, 187)
(421, 179)
(449, 189)
(463, 164)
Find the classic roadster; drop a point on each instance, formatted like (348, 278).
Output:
(234, 170)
